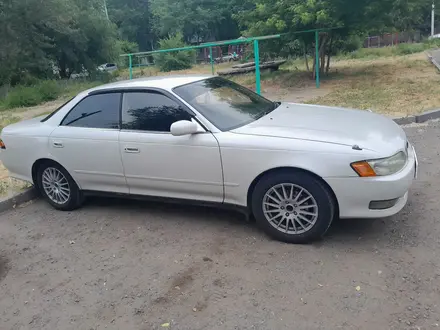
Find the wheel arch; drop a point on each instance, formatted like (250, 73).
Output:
(36, 165)
(289, 169)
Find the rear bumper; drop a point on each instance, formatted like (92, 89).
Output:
(354, 194)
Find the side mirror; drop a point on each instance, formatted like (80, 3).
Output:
(184, 127)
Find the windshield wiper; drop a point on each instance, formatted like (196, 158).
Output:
(84, 115)
(268, 111)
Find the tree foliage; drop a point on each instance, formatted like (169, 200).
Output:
(42, 38)
(54, 38)
(175, 60)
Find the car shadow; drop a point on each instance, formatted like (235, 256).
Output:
(164, 209)
(354, 232)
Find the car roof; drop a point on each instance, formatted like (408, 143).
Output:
(163, 82)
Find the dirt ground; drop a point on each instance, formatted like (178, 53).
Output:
(118, 264)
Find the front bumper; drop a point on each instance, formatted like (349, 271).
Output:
(354, 194)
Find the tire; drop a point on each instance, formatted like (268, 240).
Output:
(69, 196)
(314, 198)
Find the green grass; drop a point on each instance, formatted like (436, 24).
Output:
(7, 120)
(43, 91)
(397, 86)
(399, 50)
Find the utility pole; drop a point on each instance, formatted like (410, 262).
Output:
(106, 12)
(432, 19)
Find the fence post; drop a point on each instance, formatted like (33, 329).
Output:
(212, 60)
(130, 66)
(257, 67)
(317, 58)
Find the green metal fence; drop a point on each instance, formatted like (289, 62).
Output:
(254, 40)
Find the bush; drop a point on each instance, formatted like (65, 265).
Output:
(49, 90)
(351, 44)
(22, 96)
(406, 49)
(176, 60)
(26, 96)
(373, 53)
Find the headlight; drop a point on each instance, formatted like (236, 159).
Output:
(380, 167)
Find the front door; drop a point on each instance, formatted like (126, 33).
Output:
(157, 163)
(87, 144)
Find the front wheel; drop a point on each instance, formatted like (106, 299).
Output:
(58, 187)
(293, 206)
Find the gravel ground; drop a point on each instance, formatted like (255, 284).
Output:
(120, 264)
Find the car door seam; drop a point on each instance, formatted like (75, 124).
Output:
(221, 166)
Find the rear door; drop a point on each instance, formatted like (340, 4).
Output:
(87, 143)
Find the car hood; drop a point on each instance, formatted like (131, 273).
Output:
(333, 125)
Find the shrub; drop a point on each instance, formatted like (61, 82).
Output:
(26, 96)
(406, 49)
(351, 44)
(175, 60)
(49, 90)
(22, 96)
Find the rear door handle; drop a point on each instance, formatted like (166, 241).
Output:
(131, 150)
(57, 144)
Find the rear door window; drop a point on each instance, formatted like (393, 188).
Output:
(95, 111)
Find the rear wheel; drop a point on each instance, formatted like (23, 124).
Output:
(58, 187)
(293, 206)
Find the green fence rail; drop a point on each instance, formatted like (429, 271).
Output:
(254, 40)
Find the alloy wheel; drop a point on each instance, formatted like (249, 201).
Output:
(55, 185)
(290, 208)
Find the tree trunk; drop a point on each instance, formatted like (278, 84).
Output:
(323, 61)
(329, 54)
(62, 66)
(305, 57)
(322, 53)
(321, 45)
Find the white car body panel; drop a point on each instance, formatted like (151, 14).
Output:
(91, 156)
(28, 141)
(160, 164)
(220, 166)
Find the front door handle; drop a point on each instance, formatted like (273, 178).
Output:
(57, 144)
(131, 150)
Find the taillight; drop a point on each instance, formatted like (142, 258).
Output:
(2, 144)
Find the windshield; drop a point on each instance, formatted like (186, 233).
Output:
(225, 104)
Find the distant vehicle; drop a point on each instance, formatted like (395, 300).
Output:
(295, 167)
(109, 67)
(231, 57)
(227, 58)
(83, 74)
(435, 36)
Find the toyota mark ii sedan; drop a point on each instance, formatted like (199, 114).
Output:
(295, 167)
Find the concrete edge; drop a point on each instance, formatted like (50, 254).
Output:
(23, 197)
(435, 63)
(428, 115)
(405, 120)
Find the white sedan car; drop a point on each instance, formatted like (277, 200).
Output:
(295, 167)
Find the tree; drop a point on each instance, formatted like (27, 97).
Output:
(42, 37)
(134, 21)
(175, 60)
(270, 17)
(197, 20)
